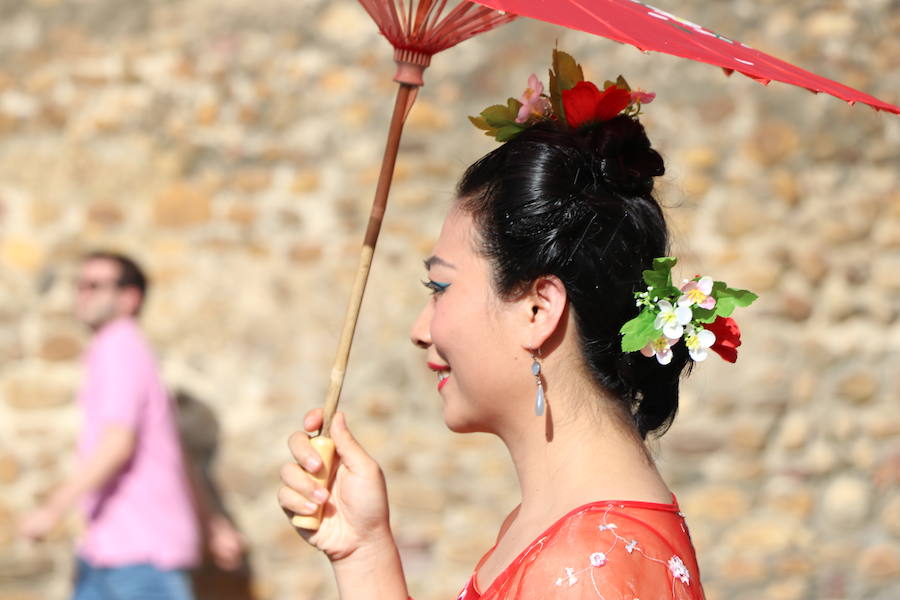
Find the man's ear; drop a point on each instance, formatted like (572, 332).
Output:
(545, 302)
(130, 299)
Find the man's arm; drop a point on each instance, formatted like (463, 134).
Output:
(113, 451)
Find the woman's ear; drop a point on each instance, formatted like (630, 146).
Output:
(545, 301)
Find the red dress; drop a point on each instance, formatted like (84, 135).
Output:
(611, 550)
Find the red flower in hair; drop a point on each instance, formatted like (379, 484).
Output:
(728, 337)
(585, 103)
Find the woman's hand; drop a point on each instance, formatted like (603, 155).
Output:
(355, 512)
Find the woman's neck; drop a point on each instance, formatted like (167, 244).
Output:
(580, 452)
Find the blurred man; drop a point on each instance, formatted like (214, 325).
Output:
(141, 531)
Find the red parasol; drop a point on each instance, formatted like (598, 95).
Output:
(418, 29)
(649, 28)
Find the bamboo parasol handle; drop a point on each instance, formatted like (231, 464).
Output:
(322, 443)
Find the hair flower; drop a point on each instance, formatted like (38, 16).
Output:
(728, 338)
(699, 313)
(672, 319)
(697, 292)
(585, 103)
(571, 101)
(661, 348)
(534, 103)
(641, 97)
(698, 340)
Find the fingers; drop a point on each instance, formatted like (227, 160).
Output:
(299, 481)
(353, 456)
(304, 453)
(313, 420)
(301, 493)
(295, 503)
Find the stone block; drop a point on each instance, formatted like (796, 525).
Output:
(743, 569)
(719, 503)
(306, 181)
(880, 562)
(9, 468)
(60, 347)
(20, 253)
(772, 142)
(858, 387)
(794, 588)
(105, 214)
(31, 392)
(793, 432)
(182, 205)
(846, 501)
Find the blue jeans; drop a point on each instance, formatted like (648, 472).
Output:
(131, 582)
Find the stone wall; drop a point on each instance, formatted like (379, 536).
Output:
(232, 146)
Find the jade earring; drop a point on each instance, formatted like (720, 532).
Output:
(539, 396)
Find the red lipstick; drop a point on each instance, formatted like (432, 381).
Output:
(443, 373)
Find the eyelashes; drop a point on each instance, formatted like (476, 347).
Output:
(436, 287)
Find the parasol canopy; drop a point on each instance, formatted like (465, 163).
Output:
(649, 28)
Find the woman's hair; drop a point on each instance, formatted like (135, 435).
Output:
(579, 205)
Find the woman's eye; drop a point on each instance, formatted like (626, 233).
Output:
(435, 286)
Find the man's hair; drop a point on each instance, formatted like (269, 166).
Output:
(130, 273)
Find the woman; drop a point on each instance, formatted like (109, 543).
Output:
(536, 270)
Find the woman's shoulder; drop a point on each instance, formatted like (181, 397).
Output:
(614, 550)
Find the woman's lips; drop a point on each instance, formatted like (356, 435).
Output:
(443, 374)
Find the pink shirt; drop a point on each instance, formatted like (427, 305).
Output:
(145, 514)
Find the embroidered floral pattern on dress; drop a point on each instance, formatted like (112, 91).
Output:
(675, 564)
(598, 559)
(570, 578)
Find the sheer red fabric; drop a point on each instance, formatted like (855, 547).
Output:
(611, 550)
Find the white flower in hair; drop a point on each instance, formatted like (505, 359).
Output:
(661, 347)
(672, 319)
(698, 340)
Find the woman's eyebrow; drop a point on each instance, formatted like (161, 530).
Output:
(437, 260)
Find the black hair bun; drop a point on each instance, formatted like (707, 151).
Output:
(627, 164)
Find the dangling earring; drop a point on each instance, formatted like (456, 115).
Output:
(539, 397)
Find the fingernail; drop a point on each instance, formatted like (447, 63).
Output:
(321, 494)
(312, 464)
(311, 507)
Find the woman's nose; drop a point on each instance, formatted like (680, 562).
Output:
(420, 335)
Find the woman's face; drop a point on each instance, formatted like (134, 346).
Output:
(471, 334)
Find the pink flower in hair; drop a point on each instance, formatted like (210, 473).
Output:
(533, 103)
(697, 291)
(642, 97)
